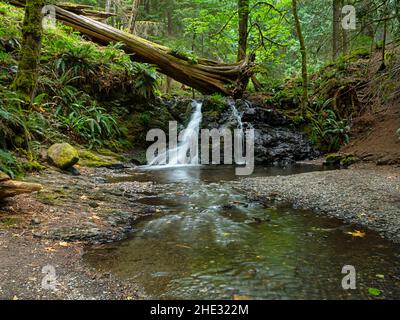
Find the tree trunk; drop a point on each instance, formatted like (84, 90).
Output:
(134, 14)
(243, 13)
(335, 28)
(204, 75)
(147, 6)
(108, 6)
(384, 40)
(26, 79)
(304, 73)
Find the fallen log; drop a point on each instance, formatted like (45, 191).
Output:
(11, 188)
(204, 75)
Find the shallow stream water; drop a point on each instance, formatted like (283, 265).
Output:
(209, 242)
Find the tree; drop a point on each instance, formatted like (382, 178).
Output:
(134, 14)
(243, 13)
(304, 73)
(26, 79)
(335, 28)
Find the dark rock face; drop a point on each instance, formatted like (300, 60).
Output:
(277, 141)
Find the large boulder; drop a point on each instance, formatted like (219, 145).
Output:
(63, 155)
(11, 188)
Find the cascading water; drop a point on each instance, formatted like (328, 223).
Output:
(187, 151)
(236, 114)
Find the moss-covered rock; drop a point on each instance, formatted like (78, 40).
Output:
(90, 159)
(63, 155)
(338, 159)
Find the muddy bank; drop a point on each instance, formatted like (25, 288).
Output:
(364, 195)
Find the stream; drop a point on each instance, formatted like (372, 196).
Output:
(207, 241)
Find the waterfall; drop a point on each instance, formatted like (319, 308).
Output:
(236, 114)
(188, 140)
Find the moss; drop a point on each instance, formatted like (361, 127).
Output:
(33, 166)
(90, 159)
(338, 159)
(8, 222)
(63, 155)
(27, 76)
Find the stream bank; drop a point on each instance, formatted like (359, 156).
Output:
(56, 225)
(364, 194)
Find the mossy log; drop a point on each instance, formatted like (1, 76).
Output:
(204, 75)
(11, 188)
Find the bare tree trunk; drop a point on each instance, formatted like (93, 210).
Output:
(147, 6)
(243, 12)
(26, 79)
(134, 14)
(108, 6)
(384, 40)
(304, 72)
(335, 28)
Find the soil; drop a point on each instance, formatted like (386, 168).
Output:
(374, 137)
(373, 133)
(52, 227)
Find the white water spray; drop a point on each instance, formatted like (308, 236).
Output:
(188, 143)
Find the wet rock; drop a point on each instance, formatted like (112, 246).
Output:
(63, 155)
(277, 141)
(93, 204)
(35, 221)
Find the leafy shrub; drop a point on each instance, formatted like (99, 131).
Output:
(328, 131)
(9, 164)
(89, 123)
(146, 79)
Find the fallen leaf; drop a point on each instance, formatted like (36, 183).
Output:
(63, 244)
(380, 276)
(357, 234)
(374, 292)
(50, 249)
(240, 297)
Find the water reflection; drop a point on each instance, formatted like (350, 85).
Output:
(210, 243)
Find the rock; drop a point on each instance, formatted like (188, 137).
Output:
(62, 155)
(11, 188)
(35, 221)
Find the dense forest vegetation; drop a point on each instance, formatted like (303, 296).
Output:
(308, 59)
(308, 90)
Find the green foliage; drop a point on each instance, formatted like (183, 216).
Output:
(374, 292)
(88, 123)
(184, 55)
(398, 133)
(9, 164)
(329, 132)
(146, 80)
